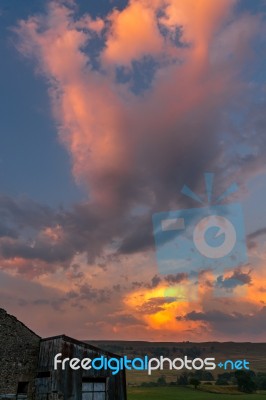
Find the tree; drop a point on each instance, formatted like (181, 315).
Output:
(221, 382)
(193, 352)
(227, 375)
(183, 379)
(203, 375)
(262, 384)
(261, 381)
(245, 381)
(161, 381)
(195, 382)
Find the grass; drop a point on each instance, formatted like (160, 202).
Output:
(135, 377)
(176, 393)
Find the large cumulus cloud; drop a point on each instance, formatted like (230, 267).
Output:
(146, 98)
(135, 150)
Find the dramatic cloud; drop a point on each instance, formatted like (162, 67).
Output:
(125, 157)
(155, 304)
(177, 278)
(238, 278)
(231, 323)
(157, 280)
(257, 233)
(127, 40)
(146, 97)
(132, 149)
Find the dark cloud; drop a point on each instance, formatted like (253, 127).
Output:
(177, 278)
(88, 293)
(84, 229)
(40, 250)
(56, 303)
(137, 285)
(238, 278)
(251, 238)
(140, 236)
(257, 233)
(155, 304)
(25, 213)
(41, 302)
(255, 142)
(6, 231)
(251, 244)
(125, 319)
(230, 323)
(208, 283)
(74, 272)
(210, 316)
(156, 280)
(85, 295)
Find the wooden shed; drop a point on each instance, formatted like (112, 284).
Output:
(80, 384)
(27, 367)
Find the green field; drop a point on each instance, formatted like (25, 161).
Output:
(175, 393)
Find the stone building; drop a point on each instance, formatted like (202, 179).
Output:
(27, 367)
(19, 351)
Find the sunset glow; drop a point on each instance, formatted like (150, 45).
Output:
(140, 98)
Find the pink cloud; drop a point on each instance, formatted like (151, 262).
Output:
(134, 33)
(128, 148)
(101, 122)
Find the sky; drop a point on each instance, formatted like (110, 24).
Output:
(107, 109)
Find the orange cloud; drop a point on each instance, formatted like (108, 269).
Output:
(160, 306)
(134, 33)
(95, 25)
(199, 21)
(100, 121)
(116, 137)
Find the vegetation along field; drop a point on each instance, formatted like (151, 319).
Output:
(198, 385)
(175, 393)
